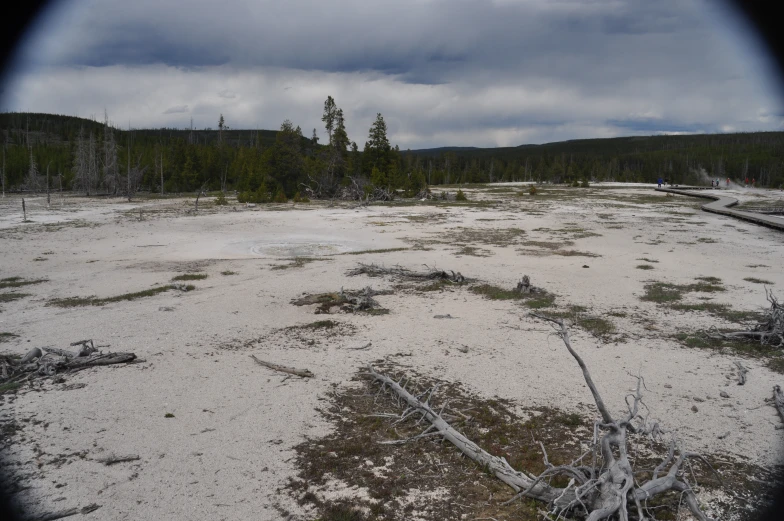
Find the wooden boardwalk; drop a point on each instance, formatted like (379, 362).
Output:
(722, 205)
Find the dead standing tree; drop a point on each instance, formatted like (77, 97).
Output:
(600, 490)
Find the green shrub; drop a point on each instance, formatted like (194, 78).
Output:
(460, 196)
(220, 200)
(585, 184)
(299, 198)
(280, 197)
(532, 190)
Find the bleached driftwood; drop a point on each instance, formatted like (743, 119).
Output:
(524, 286)
(778, 400)
(304, 373)
(374, 270)
(598, 491)
(51, 360)
(769, 331)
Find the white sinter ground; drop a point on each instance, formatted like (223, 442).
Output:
(228, 450)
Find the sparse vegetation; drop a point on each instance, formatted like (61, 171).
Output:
(69, 302)
(755, 280)
(17, 282)
(220, 199)
(5, 337)
(11, 296)
(228, 273)
(190, 276)
(644, 267)
(365, 252)
(460, 196)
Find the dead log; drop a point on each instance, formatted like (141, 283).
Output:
(778, 400)
(61, 352)
(769, 330)
(603, 490)
(31, 355)
(374, 270)
(304, 373)
(113, 459)
(101, 359)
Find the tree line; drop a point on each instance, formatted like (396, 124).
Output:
(46, 151)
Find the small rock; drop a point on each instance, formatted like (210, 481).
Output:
(722, 436)
(723, 394)
(667, 386)
(165, 308)
(698, 399)
(443, 316)
(694, 408)
(586, 266)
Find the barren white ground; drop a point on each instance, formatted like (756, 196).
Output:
(227, 452)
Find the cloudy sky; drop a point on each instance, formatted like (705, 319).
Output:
(442, 72)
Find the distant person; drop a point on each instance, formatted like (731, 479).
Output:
(728, 182)
(753, 182)
(660, 182)
(712, 183)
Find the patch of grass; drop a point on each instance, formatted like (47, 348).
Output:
(773, 357)
(720, 310)
(319, 324)
(168, 415)
(757, 266)
(40, 259)
(495, 293)
(755, 280)
(619, 314)
(228, 272)
(190, 276)
(9, 386)
(597, 326)
(296, 262)
(10, 297)
(648, 260)
(5, 337)
(473, 251)
(70, 302)
(644, 267)
(17, 282)
(664, 292)
(540, 301)
(706, 240)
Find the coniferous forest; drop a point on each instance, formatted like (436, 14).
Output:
(93, 157)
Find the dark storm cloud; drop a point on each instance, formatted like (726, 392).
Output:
(443, 72)
(418, 38)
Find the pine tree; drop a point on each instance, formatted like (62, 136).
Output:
(377, 149)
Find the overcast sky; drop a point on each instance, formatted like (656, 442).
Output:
(442, 72)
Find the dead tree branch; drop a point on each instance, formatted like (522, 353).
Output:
(374, 270)
(603, 490)
(778, 400)
(769, 331)
(304, 373)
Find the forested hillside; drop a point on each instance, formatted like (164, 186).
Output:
(96, 157)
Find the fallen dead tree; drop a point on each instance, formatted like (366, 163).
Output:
(769, 331)
(374, 270)
(50, 361)
(348, 301)
(601, 488)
